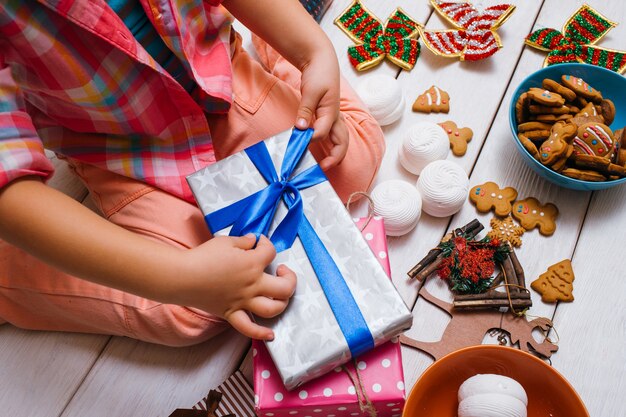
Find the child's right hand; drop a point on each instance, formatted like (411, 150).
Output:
(225, 276)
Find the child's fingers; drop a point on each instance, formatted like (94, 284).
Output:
(340, 138)
(264, 251)
(244, 242)
(281, 287)
(242, 322)
(308, 106)
(322, 126)
(266, 307)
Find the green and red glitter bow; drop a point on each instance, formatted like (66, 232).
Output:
(396, 40)
(468, 265)
(475, 36)
(575, 43)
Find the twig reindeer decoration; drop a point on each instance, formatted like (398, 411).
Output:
(473, 315)
(468, 327)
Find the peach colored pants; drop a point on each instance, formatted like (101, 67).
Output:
(34, 295)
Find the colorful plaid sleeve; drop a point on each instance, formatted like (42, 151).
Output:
(21, 150)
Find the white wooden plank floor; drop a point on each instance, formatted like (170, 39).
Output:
(55, 374)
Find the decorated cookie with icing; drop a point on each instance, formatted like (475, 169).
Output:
(432, 100)
(458, 136)
(506, 230)
(581, 88)
(563, 91)
(594, 139)
(553, 148)
(489, 196)
(546, 97)
(530, 213)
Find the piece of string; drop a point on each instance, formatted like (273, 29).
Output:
(370, 207)
(365, 404)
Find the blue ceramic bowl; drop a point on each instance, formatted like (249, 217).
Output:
(612, 86)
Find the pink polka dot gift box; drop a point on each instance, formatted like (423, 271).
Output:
(371, 381)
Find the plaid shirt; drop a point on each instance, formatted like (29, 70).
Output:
(74, 80)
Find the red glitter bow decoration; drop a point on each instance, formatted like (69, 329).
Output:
(475, 37)
(573, 44)
(395, 40)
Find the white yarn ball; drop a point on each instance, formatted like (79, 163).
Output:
(423, 143)
(383, 97)
(399, 203)
(444, 186)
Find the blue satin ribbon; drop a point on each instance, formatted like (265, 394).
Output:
(254, 214)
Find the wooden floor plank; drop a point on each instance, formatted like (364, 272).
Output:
(41, 371)
(591, 330)
(136, 379)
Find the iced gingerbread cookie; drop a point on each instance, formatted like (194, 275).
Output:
(555, 87)
(432, 100)
(581, 88)
(607, 109)
(531, 213)
(556, 284)
(546, 97)
(458, 136)
(506, 230)
(488, 195)
(553, 148)
(594, 139)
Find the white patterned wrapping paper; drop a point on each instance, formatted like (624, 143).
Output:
(308, 341)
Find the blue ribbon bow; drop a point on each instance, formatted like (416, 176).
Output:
(254, 214)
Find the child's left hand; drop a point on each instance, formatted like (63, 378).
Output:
(320, 103)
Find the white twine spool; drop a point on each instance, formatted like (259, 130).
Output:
(383, 97)
(399, 203)
(423, 143)
(444, 186)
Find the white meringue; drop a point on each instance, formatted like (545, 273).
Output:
(444, 186)
(383, 97)
(490, 395)
(422, 144)
(399, 203)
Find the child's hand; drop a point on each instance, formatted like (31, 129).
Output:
(225, 277)
(320, 102)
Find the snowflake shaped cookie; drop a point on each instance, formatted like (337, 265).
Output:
(506, 229)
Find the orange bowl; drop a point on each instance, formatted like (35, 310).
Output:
(549, 393)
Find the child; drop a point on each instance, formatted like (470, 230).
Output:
(136, 95)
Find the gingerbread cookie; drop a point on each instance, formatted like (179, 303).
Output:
(506, 230)
(553, 148)
(432, 100)
(591, 162)
(459, 137)
(594, 139)
(522, 114)
(581, 88)
(546, 97)
(563, 91)
(581, 120)
(538, 109)
(531, 213)
(564, 117)
(616, 170)
(620, 139)
(588, 110)
(556, 284)
(607, 109)
(537, 135)
(488, 195)
(583, 174)
(546, 118)
(529, 126)
(529, 145)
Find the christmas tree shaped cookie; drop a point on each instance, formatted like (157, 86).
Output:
(556, 284)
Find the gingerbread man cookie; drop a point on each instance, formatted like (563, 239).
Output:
(563, 91)
(488, 195)
(506, 230)
(546, 97)
(581, 88)
(529, 145)
(531, 213)
(432, 100)
(584, 174)
(459, 137)
(553, 148)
